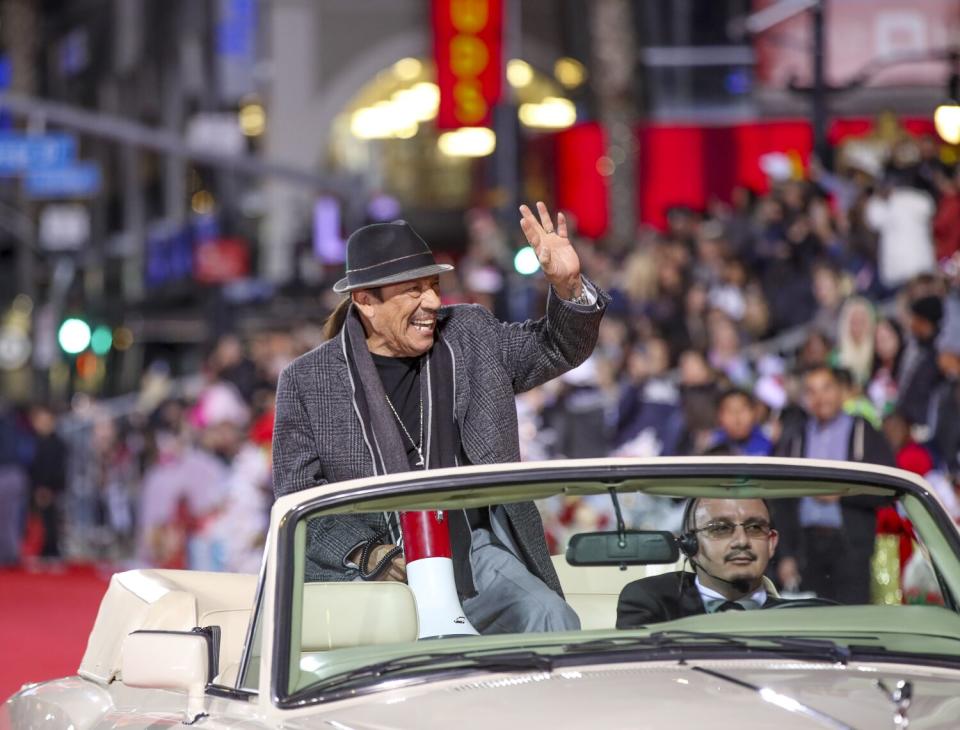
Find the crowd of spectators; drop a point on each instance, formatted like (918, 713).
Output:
(177, 477)
(714, 324)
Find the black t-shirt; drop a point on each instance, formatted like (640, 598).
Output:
(401, 382)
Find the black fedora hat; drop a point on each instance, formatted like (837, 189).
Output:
(387, 253)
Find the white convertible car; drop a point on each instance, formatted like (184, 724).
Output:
(221, 650)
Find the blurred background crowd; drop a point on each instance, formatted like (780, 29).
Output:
(715, 323)
(780, 236)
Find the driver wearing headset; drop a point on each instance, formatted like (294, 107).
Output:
(729, 542)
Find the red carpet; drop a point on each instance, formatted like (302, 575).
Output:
(45, 618)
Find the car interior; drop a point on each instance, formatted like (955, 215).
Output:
(329, 617)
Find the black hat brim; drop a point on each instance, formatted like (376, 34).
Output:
(343, 285)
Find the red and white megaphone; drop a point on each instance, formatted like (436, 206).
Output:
(426, 548)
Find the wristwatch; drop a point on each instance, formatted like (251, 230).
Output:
(583, 299)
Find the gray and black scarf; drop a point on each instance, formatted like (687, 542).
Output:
(441, 447)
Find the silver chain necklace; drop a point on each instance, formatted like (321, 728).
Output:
(406, 432)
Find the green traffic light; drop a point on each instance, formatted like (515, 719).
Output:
(74, 336)
(102, 340)
(526, 262)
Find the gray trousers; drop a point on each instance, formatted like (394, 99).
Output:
(510, 599)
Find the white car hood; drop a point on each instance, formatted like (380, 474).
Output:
(796, 694)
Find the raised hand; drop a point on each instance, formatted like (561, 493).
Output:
(559, 261)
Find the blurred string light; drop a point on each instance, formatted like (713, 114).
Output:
(606, 166)
(552, 113)
(525, 261)
(15, 348)
(420, 101)
(382, 121)
(946, 119)
(468, 142)
(202, 202)
(408, 69)
(399, 117)
(122, 338)
(519, 73)
(22, 304)
(253, 119)
(569, 72)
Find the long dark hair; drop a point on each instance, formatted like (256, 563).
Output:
(334, 322)
(898, 358)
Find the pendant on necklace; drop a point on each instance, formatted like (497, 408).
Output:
(420, 460)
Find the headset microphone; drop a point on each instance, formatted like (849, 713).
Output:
(689, 545)
(688, 542)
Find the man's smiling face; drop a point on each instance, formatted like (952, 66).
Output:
(402, 320)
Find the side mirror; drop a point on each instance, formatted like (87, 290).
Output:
(174, 660)
(630, 547)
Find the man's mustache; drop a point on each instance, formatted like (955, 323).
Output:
(740, 554)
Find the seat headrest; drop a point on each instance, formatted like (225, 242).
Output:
(338, 615)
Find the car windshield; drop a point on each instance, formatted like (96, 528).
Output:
(836, 562)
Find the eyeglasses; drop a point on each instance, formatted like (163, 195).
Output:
(722, 529)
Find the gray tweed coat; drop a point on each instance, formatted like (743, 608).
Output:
(318, 438)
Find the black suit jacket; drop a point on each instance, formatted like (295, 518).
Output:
(867, 445)
(663, 598)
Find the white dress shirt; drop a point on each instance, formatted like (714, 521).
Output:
(711, 598)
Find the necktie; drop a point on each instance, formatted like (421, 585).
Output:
(730, 606)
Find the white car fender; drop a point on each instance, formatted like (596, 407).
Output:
(61, 703)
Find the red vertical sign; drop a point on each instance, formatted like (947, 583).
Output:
(581, 189)
(467, 43)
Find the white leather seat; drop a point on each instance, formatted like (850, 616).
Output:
(338, 615)
(593, 591)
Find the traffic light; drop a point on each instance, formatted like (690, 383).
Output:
(101, 340)
(86, 365)
(74, 336)
(526, 261)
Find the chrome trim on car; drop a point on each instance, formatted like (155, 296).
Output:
(783, 701)
(252, 626)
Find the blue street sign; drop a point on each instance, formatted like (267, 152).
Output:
(236, 31)
(21, 152)
(79, 180)
(6, 75)
(169, 254)
(236, 46)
